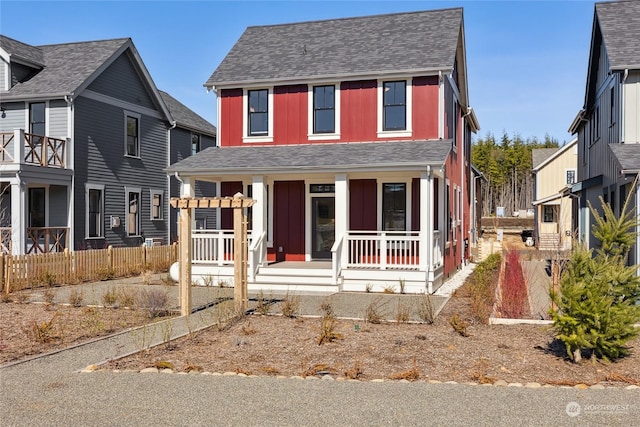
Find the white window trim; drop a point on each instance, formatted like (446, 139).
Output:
(138, 117)
(246, 138)
(575, 175)
(408, 195)
(408, 132)
(127, 191)
(323, 136)
(87, 188)
(161, 194)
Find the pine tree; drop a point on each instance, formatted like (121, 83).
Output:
(598, 300)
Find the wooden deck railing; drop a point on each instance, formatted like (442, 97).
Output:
(32, 149)
(46, 239)
(69, 267)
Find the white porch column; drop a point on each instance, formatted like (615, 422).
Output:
(18, 217)
(342, 212)
(259, 209)
(426, 226)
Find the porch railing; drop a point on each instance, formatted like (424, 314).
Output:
(46, 239)
(257, 254)
(336, 258)
(32, 149)
(213, 246)
(383, 249)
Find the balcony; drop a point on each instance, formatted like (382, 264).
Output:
(23, 148)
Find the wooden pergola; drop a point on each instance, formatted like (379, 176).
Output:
(238, 203)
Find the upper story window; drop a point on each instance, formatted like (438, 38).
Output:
(195, 143)
(258, 112)
(324, 109)
(132, 134)
(37, 120)
(258, 117)
(324, 112)
(156, 204)
(571, 176)
(394, 108)
(395, 105)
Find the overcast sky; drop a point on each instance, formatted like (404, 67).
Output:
(526, 60)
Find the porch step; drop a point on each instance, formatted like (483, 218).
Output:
(359, 280)
(549, 242)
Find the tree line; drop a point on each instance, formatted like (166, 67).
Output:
(506, 163)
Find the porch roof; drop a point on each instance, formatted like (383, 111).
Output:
(628, 157)
(317, 157)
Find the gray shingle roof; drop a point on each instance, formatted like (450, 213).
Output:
(539, 155)
(620, 25)
(628, 155)
(22, 51)
(341, 47)
(328, 156)
(185, 117)
(67, 67)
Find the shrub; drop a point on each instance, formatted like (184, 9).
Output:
(513, 295)
(290, 305)
(328, 325)
(263, 305)
(372, 313)
(402, 313)
(426, 311)
(459, 325)
(598, 300)
(42, 332)
(110, 297)
(48, 295)
(154, 301)
(76, 297)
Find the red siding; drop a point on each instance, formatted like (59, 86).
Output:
(230, 125)
(363, 204)
(425, 107)
(358, 117)
(228, 188)
(290, 116)
(288, 220)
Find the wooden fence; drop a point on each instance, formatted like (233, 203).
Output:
(46, 269)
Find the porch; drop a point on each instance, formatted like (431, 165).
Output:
(360, 261)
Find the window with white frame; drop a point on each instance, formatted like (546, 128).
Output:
(324, 109)
(94, 201)
(394, 108)
(571, 176)
(394, 206)
(258, 112)
(132, 134)
(258, 115)
(132, 211)
(156, 204)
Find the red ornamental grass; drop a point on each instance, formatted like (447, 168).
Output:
(513, 302)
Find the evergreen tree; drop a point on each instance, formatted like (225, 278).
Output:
(598, 299)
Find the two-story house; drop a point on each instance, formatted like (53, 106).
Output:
(84, 143)
(608, 126)
(353, 136)
(554, 171)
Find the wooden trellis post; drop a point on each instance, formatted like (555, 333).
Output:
(238, 202)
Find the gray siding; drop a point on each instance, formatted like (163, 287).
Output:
(58, 118)
(99, 154)
(15, 117)
(121, 80)
(180, 149)
(58, 206)
(4, 70)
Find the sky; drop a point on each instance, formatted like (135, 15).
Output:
(526, 60)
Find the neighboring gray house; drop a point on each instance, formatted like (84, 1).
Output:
(84, 143)
(190, 135)
(608, 126)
